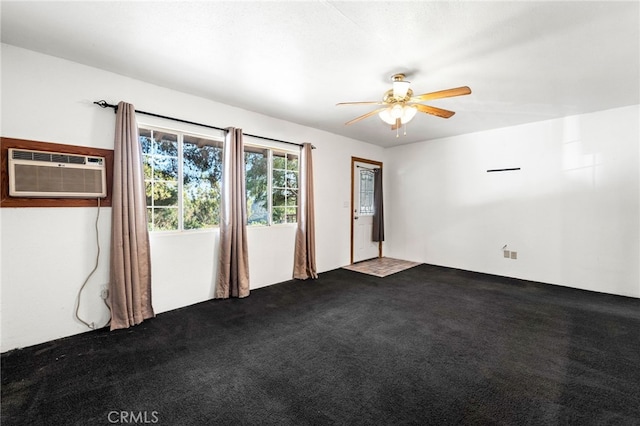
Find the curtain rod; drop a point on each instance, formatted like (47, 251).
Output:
(104, 104)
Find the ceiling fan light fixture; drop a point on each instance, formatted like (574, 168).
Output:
(400, 89)
(408, 112)
(400, 104)
(385, 115)
(396, 111)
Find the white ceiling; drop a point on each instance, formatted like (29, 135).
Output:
(524, 61)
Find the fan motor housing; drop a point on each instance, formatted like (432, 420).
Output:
(388, 97)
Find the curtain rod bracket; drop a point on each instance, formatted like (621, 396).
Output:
(104, 104)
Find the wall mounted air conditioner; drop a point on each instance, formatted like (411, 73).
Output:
(56, 175)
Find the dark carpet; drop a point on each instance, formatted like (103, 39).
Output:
(428, 345)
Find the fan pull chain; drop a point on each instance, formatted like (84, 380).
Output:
(397, 134)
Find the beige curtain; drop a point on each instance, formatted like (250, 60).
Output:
(233, 264)
(304, 263)
(130, 275)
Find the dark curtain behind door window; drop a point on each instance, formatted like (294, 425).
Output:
(378, 209)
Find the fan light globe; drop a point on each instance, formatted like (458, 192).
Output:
(385, 115)
(408, 112)
(403, 112)
(396, 111)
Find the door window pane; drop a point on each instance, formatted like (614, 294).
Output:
(366, 192)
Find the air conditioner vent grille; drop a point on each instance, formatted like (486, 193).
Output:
(63, 180)
(48, 157)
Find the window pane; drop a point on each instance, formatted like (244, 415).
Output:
(201, 142)
(284, 215)
(165, 168)
(278, 198)
(145, 140)
(165, 193)
(202, 163)
(279, 161)
(284, 197)
(256, 171)
(165, 219)
(292, 162)
(279, 179)
(281, 204)
(202, 159)
(148, 189)
(292, 199)
(149, 219)
(202, 172)
(198, 177)
(147, 163)
(201, 207)
(278, 215)
(291, 214)
(165, 144)
(366, 192)
(285, 187)
(292, 179)
(258, 215)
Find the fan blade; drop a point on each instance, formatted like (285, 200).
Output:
(363, 116)
(397, 125)
(361, 103)
(433, 110)
(458, 91)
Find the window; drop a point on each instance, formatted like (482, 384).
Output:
(284, 187)
(256, 162)
(182, 175)
(271, 185)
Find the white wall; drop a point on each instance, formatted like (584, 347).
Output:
(572, 212)
(48, 252)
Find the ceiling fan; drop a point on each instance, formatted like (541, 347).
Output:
(400, 106)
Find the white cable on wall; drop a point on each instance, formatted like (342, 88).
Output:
(90, 325)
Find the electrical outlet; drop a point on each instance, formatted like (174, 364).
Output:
(104, 293)
(507, 254)
(514, 254)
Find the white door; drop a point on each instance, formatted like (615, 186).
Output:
(363, 247)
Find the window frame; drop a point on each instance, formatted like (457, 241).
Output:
(270, 148)
(181, 133)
